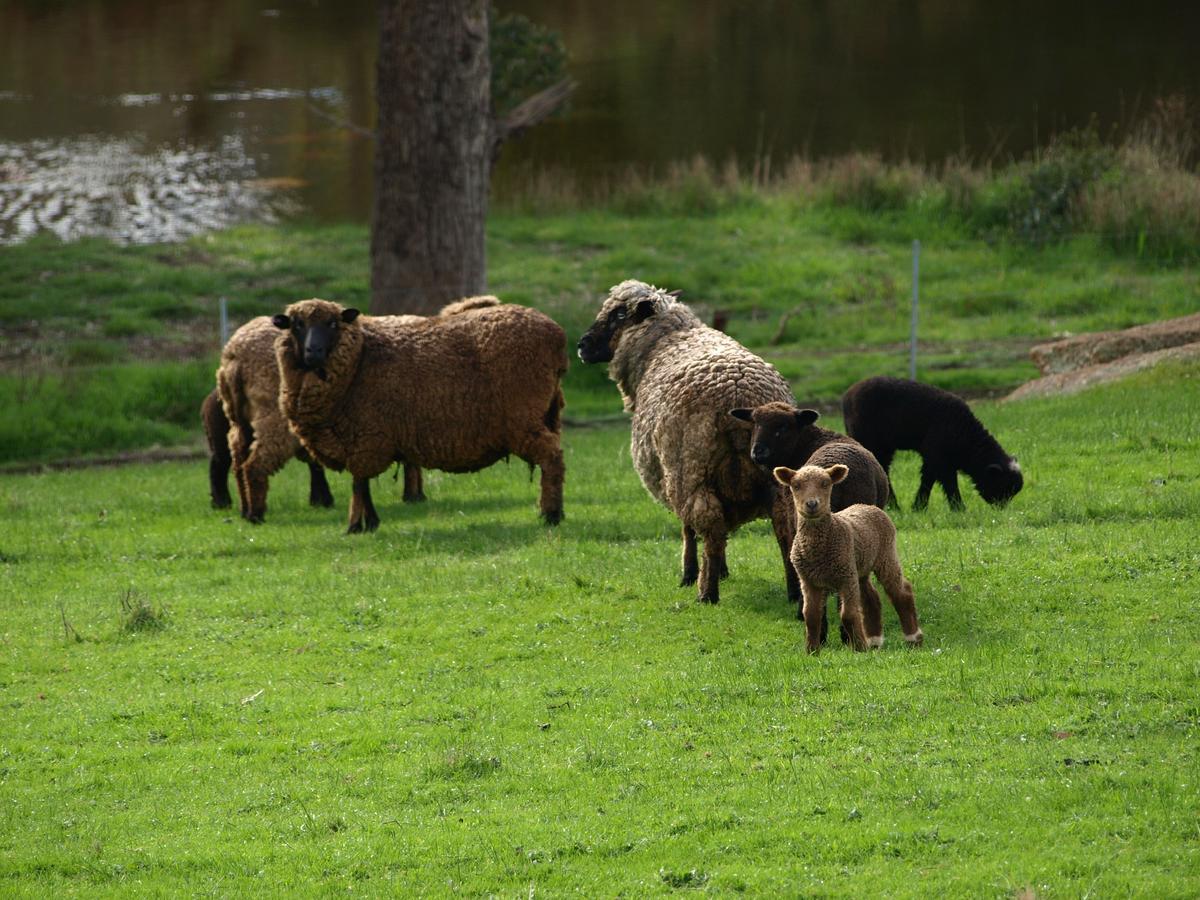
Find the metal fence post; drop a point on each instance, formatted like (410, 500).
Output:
(912, 329)
(224, 306)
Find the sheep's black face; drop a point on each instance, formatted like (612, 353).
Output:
(314, 336)
(775, 431)
(599, 342)
(1000, 483)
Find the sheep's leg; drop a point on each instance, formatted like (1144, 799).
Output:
(885, 456)
(545, 451)
(319, 493)
(711, 565)
(362, 511)
(850, 606)
(900, 592)
(218, 477)
(414, 488)
(240, 437)
(785, 536)
(872, 612)
(318, 485)
(812, 611)
(691, 565)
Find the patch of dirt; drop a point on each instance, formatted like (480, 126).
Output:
(1083, 350)
(1080, 379)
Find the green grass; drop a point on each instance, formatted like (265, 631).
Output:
(467, 702)
(821, 291)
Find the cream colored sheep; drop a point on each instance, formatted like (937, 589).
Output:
(679, 379)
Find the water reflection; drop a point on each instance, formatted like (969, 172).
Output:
(118, 188)
(658, 82)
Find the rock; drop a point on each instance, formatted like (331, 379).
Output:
(1079, 379)
(1105, 346)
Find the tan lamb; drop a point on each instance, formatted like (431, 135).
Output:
(837, 552)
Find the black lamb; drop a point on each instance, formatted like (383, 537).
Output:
(889, 414)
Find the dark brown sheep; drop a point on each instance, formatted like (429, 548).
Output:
(889, 414)
(454, 392)
(783, 435)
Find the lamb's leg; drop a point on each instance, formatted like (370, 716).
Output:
(812, 611)
(900, 592)
(872, 612)
(362, 511)
(414, 488)
(948, 479)
(850, 606)
(711, 565)
(928, 477)
(691, 565)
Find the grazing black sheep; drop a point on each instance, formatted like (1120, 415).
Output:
(889, 414)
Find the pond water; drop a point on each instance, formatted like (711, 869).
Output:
(151, 119)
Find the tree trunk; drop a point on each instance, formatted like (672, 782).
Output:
(432, 155)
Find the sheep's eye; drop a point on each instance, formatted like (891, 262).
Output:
(333, 325)
(298, 327)
(620, 314)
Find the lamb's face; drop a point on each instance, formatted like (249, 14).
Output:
(599, 342)
(776, 429)
(811, 487)
(313, 328)
(1000, 483)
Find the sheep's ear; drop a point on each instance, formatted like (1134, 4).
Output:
(746, 415)
(643, 311)
(677, 293)
(349, 314)
(280, 320)
(806, 417)
(784, 475)
(837, 473)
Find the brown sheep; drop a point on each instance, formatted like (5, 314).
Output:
(456, 392)
(838, 552)
(679, 379)
(782, 435)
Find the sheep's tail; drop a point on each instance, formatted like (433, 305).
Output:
(553, 417)
(470, 303)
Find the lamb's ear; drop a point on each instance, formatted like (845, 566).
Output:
(677, 293)
(281, 320)
(784, 475)
(643, 311)
(806, 417)
(746, 415)
(349, 314)
(837, 473)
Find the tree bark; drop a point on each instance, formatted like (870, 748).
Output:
(432, 155)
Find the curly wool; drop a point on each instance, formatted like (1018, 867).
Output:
(679, 379)
(455, 392)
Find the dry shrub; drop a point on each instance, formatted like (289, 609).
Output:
(864, 181)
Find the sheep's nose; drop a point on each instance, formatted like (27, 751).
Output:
(759, 453)
(811, 505)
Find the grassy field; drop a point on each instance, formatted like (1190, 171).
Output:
(467, 702)
(112, 348)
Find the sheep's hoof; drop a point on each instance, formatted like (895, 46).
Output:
(709, 598)
(324, 501)
(688, 579)
(914, 640)
(254, 518)
(553, 517)
(414, 498)
(221, 503)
